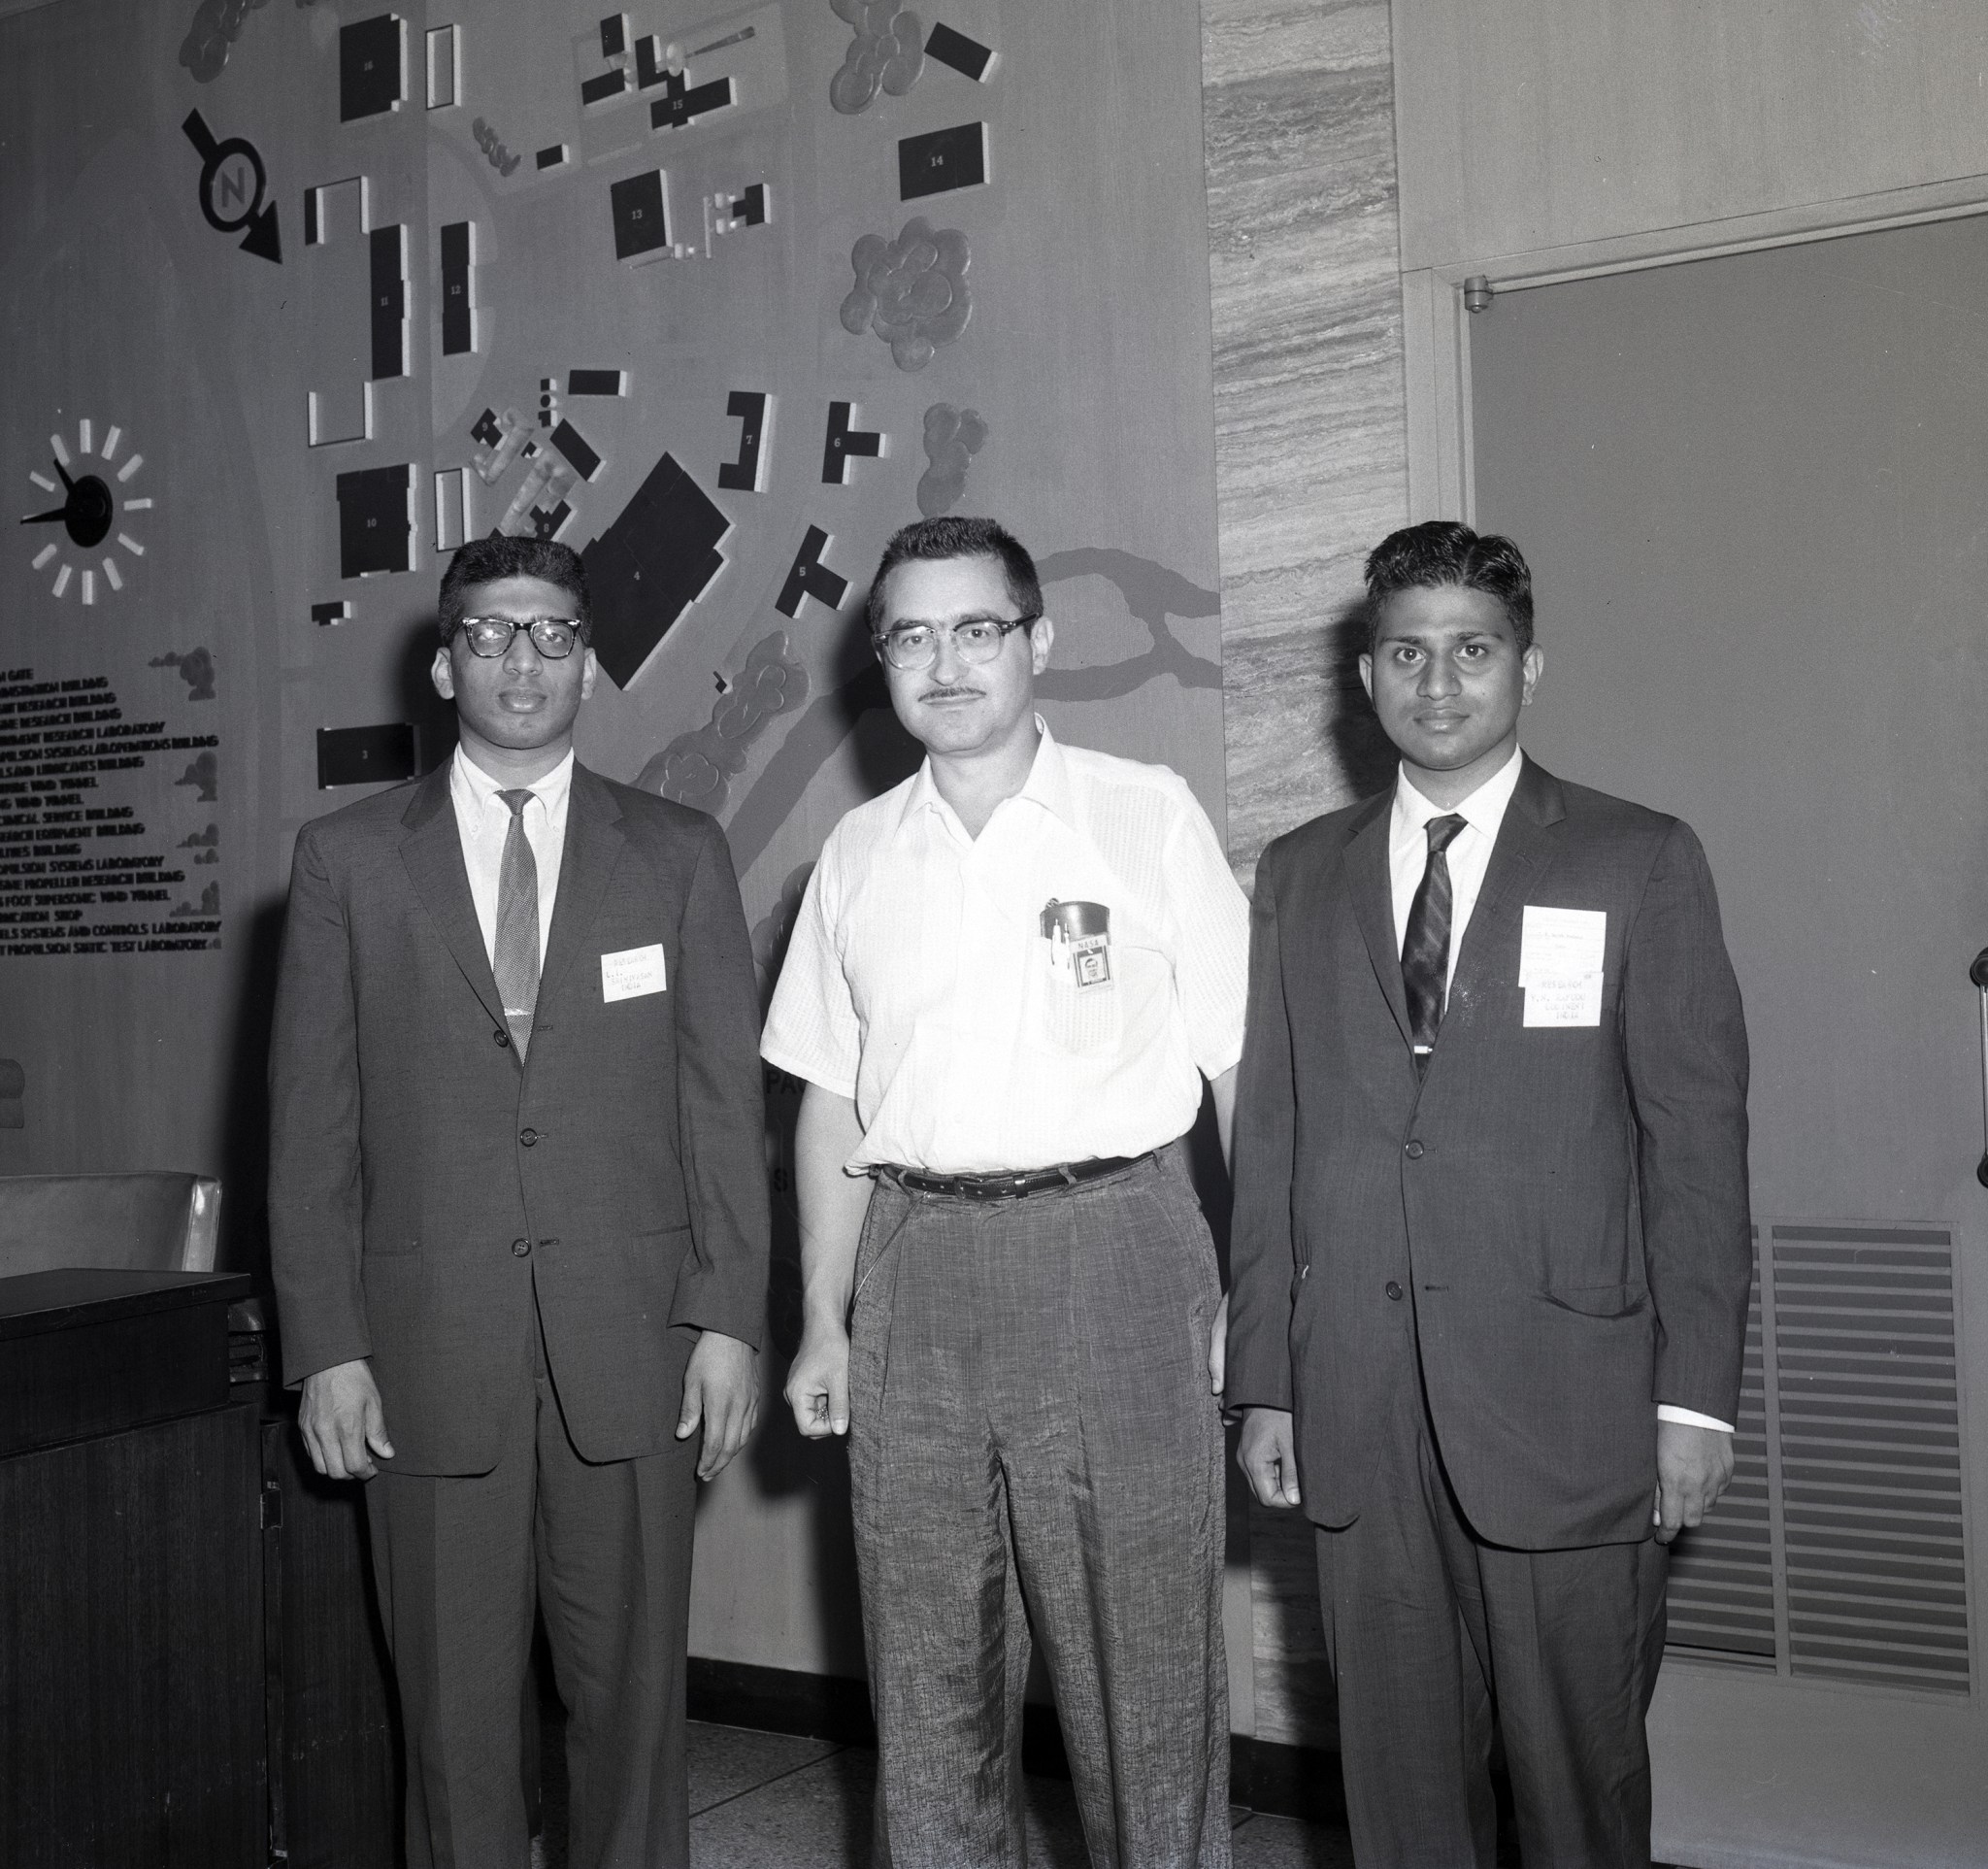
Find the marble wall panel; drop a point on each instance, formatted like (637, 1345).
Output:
(1310, 471)
(1309, 428)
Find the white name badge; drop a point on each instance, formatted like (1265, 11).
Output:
(632, 973)
(1560, 965)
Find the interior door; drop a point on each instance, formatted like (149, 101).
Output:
(1754, 493)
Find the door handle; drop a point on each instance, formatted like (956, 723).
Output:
(1979, 974)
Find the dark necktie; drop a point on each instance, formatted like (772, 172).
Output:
(1425, 947)
(515, 963)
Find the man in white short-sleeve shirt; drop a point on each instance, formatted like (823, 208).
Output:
(1008, 981)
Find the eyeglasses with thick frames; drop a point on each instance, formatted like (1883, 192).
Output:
(976, 639)
(553, 637)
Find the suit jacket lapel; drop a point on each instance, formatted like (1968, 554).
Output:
(1372, 887)
(594, 847)
(431, 847)
(1518, 860)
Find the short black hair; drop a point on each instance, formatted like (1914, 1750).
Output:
(483, 561)
(957, 538)
(1445, 552)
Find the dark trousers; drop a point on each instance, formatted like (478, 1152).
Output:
(1434, 1635)
(605, 1551)
(1031, 1426)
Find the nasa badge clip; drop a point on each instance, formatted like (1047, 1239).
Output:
(1080, 938)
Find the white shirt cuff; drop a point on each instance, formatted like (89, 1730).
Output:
(1690, 1418)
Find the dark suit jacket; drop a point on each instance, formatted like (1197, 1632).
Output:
(423, 1180)
(1563, 1209)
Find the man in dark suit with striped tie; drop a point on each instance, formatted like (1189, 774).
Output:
(518, 1218)
(1491, 1245)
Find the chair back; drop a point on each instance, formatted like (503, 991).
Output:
(157, 1221)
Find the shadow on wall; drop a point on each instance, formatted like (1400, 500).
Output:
(1353, 731)
(433, 719)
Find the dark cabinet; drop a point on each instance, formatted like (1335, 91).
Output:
(130, 1577)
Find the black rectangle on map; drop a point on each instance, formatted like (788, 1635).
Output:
(372, 522)
(366, 755)
(571, 443)
(614, 36)
(936, 163)
(967, 56)
(458, 331)
(640, 223)
(596, 383)
(368, 67)
(389, 305)
(337, 613)
(597, 90)
(551, 156)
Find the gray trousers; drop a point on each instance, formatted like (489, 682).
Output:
(1033, 1450)
(604, 1551)
(1435, 1636)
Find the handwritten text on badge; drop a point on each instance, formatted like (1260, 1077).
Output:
(1560, 965)
(632, 973)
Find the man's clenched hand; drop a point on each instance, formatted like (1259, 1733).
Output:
(1268, 1455)
(343, 1424)
(1694, 1466)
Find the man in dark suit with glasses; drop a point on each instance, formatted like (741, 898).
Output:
(1008, 981)
(518, 1221)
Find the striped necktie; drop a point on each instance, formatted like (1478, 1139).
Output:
(515, 963)
(1425, 947)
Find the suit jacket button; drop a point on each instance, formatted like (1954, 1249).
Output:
(520, 1248)
(502, 1038)
(527, 1137)
(1393, 1290)
(1413, 1150)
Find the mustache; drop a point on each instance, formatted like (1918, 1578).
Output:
(950, 691)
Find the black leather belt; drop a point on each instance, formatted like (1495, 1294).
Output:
(1008, 1186)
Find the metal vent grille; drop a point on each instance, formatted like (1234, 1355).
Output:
(1721, 1598)
(1870, 1454)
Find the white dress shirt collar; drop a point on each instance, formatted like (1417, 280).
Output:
(1047, 786)
(469, 781)
(1483, 810)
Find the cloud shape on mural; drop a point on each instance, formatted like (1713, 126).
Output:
(196, 665)
(204, 776)
(952, 438)
(216, 26)
(697, 768)
(888, 54)
(210, 903)
(771, 932)
(911, 292)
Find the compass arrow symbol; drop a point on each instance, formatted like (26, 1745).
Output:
(262, 238)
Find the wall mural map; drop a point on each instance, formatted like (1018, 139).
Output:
(309, 291)
(300, 294)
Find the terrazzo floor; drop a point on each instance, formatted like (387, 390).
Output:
(763, 1800)
(767, 1801)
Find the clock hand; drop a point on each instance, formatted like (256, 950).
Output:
(66, 480)
(43, 518)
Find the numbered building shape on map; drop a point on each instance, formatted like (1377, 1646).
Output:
(641, 208)
(372, 67)
(375, 527)
(650, 565)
